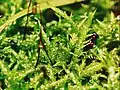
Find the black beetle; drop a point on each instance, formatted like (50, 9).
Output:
(92, 41)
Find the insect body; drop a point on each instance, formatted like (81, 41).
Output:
(93, 38)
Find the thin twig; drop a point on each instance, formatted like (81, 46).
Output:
(25, 29)
(40, 42)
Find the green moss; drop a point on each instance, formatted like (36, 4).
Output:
(63, 61)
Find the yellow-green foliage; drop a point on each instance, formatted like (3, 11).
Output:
(64, 64)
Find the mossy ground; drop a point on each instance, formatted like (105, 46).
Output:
(63, 63)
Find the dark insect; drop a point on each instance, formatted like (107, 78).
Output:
(93, 38)
(89, 45)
